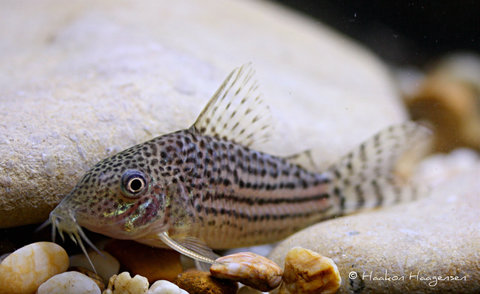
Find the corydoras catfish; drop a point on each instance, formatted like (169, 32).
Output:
(204, 187)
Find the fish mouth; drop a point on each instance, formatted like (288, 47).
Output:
(64, 221)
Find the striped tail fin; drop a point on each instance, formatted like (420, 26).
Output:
(370, 177)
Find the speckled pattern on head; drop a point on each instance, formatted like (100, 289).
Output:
(206, 183)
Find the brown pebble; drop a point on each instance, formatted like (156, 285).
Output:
(198, 282)
(307, 272)
(451, 106)
(96, 278)
(250, 269)
(150, 262)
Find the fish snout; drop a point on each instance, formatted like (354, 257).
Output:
(63, 219)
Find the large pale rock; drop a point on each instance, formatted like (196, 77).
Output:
(428, 246)
(82, 80)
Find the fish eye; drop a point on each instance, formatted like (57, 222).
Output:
(133, 183)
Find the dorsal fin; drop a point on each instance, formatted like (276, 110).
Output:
(236, 112)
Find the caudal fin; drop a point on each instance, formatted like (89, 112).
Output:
(369, 176)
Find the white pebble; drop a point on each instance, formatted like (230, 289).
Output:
(69, 283)
(165, 287)
(105, 265)
(28, 267)
(124, 283)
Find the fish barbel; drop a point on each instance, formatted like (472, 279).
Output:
(205, 187)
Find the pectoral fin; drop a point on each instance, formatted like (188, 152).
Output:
(190, 247)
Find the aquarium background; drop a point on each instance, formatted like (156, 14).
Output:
(401, 32)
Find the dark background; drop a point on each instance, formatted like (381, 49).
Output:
(401, 32)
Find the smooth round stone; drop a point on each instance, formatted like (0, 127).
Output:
(28, 267)
(105, 265)
(249, 269)
(428, 246)
(92, 275)
(69, 283)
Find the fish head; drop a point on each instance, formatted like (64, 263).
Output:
(117, 198)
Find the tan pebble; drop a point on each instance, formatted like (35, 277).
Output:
(125, 284)
(69, 283)
(152, 263)
(448, 104)
(105, 264)
(307, 272)
(28, 267)
(250, 269)
(96, 278)
(165, 287)
(198, 282)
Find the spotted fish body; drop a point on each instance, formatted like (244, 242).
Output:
(206, 185)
